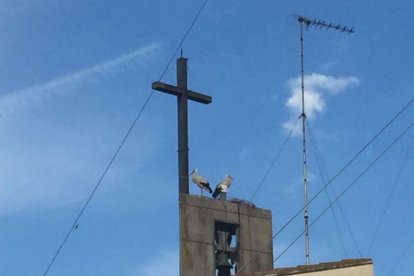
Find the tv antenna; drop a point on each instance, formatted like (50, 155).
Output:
(309, 22)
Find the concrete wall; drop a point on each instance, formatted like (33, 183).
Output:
(197, 221)
(361, 270)
(364, 270)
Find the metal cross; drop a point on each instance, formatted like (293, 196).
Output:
(183, 94)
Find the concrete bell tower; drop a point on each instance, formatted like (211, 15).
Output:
(218, 237)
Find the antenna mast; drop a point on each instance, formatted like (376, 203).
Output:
(321, 24)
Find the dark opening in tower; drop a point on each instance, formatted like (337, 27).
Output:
(226, 247)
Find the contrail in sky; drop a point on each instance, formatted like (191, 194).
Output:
(42, 91)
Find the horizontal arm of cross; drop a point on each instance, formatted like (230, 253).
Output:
(173, 90)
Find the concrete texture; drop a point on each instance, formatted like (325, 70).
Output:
(350, 267)
(197, 243)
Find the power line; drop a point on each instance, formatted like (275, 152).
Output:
(335, 176)
(76, 221)
(273, 162)
(349, 186)
(347, 224)
(401, 257)
(320, 164)
(390, 196)
(141, 110)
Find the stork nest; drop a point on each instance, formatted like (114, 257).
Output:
(242, 202)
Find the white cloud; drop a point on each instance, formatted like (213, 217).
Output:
(44, 91)
(316, 87)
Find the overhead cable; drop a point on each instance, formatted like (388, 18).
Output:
(348, 187)
(322, 175)
(398, 114)
(390, 196)
(401, 257)
(138, 116)
(274, 161)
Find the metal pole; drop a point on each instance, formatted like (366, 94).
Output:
(182, 127)
(326, 25)
(305, 169)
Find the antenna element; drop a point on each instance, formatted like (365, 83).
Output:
(324, 24)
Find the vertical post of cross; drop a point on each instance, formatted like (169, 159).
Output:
(183, 95)
(182, 119)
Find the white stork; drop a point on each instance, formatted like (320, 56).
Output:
(223, 185)
(200, 181)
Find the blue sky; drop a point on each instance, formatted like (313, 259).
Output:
(74, 75)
